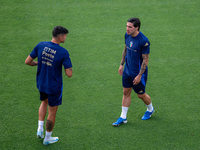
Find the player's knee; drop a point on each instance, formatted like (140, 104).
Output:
(126, 92)
(45, 101)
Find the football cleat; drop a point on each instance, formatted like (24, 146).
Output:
(147, 115)
(119, 121)
(40, 134)
(51, 141)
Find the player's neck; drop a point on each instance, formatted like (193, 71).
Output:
(56, 41)
(135, 33)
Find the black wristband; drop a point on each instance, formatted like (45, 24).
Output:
(122, 64)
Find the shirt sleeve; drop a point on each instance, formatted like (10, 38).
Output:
(67, 61)
(145, 47)
(34, 53)
(125, 37)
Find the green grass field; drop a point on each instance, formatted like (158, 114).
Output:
(92, 97)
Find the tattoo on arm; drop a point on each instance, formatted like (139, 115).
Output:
(35, 63)
(49, 125)
(144, 63)
(124, 55)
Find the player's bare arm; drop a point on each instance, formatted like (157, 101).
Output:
(142, 70)
(122, 61)
(123, 55)
(144, 63)
(69, 72)
(29, 61)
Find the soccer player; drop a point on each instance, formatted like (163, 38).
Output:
(134, 76)
(51, 58)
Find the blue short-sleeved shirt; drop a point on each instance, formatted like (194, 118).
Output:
(136, 46)
(51, 57)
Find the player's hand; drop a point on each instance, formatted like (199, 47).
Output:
(137, 80)
(120, 70)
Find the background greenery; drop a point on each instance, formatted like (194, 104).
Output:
(92, 97)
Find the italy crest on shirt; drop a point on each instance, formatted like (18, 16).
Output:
(131, 44)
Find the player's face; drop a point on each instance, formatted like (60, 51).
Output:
(130, 29)
(62, 38)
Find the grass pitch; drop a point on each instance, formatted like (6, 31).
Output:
(92, 97)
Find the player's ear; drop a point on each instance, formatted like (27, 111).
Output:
(60, 37)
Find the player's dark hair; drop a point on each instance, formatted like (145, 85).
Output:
(136, 22)
(59, 30)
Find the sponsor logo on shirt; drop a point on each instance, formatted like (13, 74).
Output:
(132, 49)
(146, 44)
(48, 55)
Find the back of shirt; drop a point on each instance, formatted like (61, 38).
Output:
(51, 57)
(136, 46)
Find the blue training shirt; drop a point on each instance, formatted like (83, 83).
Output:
(51, 57)
(136, 46)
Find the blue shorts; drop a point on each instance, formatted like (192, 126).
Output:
(54, 99)
(127, 82)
